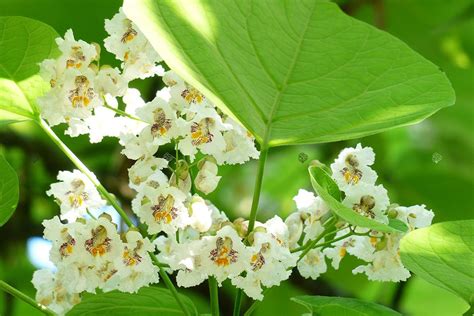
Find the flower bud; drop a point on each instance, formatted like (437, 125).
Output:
(207, 180)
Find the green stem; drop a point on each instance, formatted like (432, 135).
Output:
(111, 199)
(78, 163)
(253, 213)
(214, 295)
(315, 241)
(257, 189)
(123, 113)
(255, 304)
(25, 298)
(237, 302)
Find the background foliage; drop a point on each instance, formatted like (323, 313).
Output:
(428, 163)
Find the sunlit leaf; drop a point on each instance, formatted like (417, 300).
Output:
(293, 71)
(443, 254)
(24, 43)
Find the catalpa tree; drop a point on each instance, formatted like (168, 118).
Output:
(240, 78)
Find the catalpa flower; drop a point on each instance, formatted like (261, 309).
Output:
(240, 145)
(143, 169)
(162, 209)
(203, 132)
(368, 200)
(135, 268)
(65, 238)
(224, 255)
(131, 47)
(207, 179)
(102, 243)
(270, 264)
(312, 208)
(313, 264)
(75, 193)
(52, 293)
(352, 167)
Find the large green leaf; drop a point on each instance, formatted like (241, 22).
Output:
(293, 71)
(325, 187)
(147, 302)
(23, 44)
(443, 254)
(329, 306)
(9, 191)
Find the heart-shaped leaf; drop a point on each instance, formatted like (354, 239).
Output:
(9, 191)
(326, 188)
(443, 254)
(329, 306)
(293, 71)
(147, 302)
(24, 43)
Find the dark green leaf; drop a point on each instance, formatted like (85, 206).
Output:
(9, 191)
(147, 302)
(330, 306)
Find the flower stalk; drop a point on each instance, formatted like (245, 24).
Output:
(25, 298)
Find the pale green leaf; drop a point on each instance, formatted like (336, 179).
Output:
(325, 187)
(9, 191)
(329, 306)
(443, 254)
(23, 44)
(293, 71)
(147, 302)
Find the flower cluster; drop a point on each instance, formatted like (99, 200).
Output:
(187, 233)
(89, 255)
(354, 177)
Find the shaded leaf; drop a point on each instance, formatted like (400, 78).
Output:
(148, 301)
(329, 306)
(9, 191)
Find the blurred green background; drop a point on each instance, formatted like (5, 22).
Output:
(430, 163)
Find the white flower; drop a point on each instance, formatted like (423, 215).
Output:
(295, 228)
(207, 179)
(351, 167)
(360, 246)
(130, 46)
(75, 97)
(385, 266)
(200, 214)
(161, 208)
(66, 240)
(75, 54)
(110, 81)
(163, 122)
(312, 265)
(101, 241)
(224, 255)
(52, 293)
(368, 200)
(270, 264)
(416, 216)
(75, 193)
(240, 145)
(313, 209)
(135, 268)
(203, 132)
(192, 271)
(144, 168)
